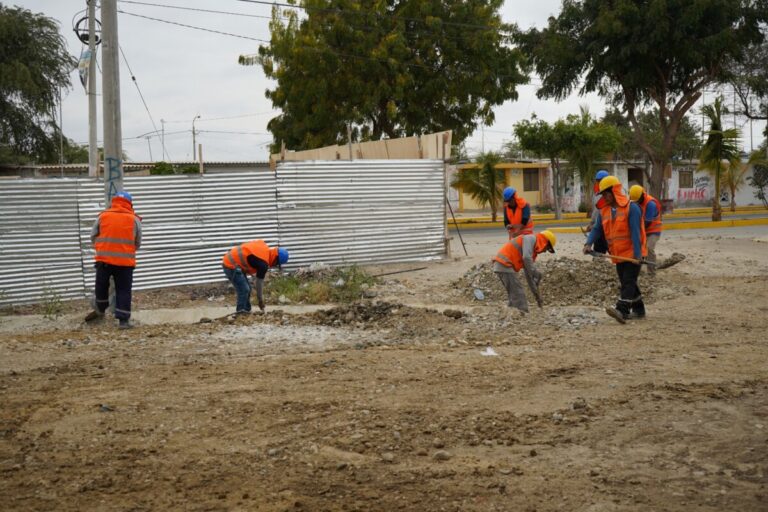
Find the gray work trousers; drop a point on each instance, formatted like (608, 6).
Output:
(516, 297)
(650, 243)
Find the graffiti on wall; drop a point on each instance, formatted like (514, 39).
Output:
(699, 192)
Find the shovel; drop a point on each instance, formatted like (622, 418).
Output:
(595, 254)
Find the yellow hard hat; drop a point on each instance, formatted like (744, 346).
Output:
(608, 182)
(551, 238)
(635, 192)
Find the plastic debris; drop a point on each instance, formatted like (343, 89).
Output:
(488, 352)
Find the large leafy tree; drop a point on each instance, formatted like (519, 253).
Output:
(749, 78)
(720, 151)
(34, 66)
(687, 143)
(549, 141)
(393, 69)
(484, 183)
(586, 141)
(643, 53)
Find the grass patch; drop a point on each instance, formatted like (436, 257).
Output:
(342, 285)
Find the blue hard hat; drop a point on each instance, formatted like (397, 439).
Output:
(282, 256)
(508, 193)
(602, 173)
(125, 195)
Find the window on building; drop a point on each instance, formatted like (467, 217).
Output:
(685, 179)
(530, 180)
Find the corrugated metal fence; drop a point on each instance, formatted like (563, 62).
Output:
(336, 212)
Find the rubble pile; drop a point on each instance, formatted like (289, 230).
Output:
(566, 281)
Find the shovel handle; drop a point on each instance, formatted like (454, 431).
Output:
(621, 258)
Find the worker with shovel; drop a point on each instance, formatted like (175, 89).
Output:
(520, 253)
(620, 220)
(651, 210)
(116, 235)
(517, 214)
(251, 258)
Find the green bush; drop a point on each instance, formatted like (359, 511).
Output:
(161, 168)
(337, 285)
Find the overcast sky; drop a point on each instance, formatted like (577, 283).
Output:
(184, 72)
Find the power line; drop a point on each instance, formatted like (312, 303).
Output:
(136, 83)
(194, 27)
(367, 13)
(211, 11)
(204, 119)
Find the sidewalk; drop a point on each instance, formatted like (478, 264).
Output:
(681, 218)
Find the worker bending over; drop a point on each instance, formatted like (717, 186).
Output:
(651, 210)
(520, 253)
(254, 257)
(517, 214)
(620, 220)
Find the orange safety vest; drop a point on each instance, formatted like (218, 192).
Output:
(511, 253)
(616, 230)
(655, 225)
(516, 217)
(116, 242)
(238, 255)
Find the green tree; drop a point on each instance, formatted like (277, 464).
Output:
(586, 141)
(720, 151)
(736, 171)
(548, 141)
(34, 67)
(386, 69)
(687, 144)
(759, 180)
(484, 184)
(749, 78)
(639, 53)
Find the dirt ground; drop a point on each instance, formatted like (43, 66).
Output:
(391, 404)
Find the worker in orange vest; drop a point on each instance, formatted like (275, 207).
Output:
(597, 202)
(116, 235)
(517, 214)
(651, 209)
(620, 221)
(520, 253)
(251, 258)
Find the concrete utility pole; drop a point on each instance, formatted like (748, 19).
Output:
(194, 157)
(93, 150)
(110, 88)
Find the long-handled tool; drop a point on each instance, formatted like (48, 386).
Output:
(596, 254)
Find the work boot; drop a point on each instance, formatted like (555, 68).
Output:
(637, 315)
(124, 324)
(616, 314)
(94, 316)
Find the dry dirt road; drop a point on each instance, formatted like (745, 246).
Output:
(391, 406)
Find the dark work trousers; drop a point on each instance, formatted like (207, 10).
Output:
(631, 299)
(123, 277)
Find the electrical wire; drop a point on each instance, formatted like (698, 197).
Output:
(194, 9)
(364, 13)
(136, 83)
(194, 27)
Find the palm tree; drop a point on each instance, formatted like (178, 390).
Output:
(736, 172)
(721, 145)
(484, 184)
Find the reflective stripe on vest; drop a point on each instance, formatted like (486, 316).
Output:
(116, 242)
(511, 254)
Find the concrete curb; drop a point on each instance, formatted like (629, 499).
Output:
(690, 225)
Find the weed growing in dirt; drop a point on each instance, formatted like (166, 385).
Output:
(52, 304)
(344, 285)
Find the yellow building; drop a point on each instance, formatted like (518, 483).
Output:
(527, 178)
